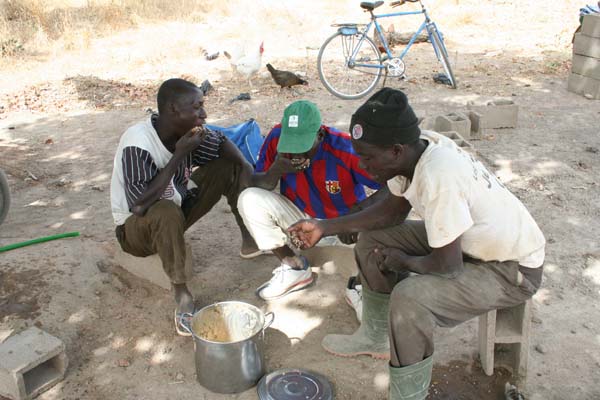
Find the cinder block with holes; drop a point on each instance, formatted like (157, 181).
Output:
(585, 45)
(497, 114)
(504, 339)
(150, 268)
(458, 139)
(583, 85)
(30, 363)
(427, 123)
(454, 122)
(476, 124)
(591, 25)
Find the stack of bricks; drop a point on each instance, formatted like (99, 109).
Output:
(585, 73)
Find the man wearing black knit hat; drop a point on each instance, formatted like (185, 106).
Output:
(476, 249)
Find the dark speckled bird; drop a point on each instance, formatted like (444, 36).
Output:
(285, 78)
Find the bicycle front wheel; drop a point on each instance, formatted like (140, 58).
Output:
(345, 76)
(4, 197)
(442, 55)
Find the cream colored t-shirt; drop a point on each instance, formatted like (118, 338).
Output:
(456, 196)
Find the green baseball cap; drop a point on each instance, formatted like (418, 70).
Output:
(299, 126)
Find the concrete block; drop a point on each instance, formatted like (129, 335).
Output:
(496, 114)
(30, 363)
(504, 338)
(591, 25)
(458, 139)
(586, 66)
(150, 268)
(427, 123)
(476, 124)
(454, 122)
(583, 85)
(586, 46)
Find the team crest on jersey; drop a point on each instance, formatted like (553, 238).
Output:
(333, 187)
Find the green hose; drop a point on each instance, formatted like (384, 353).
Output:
(38, 240)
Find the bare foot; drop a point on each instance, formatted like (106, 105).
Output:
(183, 298)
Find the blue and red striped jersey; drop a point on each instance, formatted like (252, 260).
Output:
(333, 182)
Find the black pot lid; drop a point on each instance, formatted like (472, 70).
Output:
(294, 384)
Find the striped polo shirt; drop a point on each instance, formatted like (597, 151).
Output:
(139, 158)
(333, 182)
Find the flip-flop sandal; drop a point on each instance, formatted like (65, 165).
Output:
(255, 254)
(183, 323)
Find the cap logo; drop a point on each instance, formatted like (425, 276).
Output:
(357, 131)
(293, 121)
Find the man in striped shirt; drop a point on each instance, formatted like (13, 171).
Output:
(151, 203)
(319, 176)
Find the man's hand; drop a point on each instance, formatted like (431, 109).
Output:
(300, 163)
(348, 237)
(390, 259)
(190, 141)
(306, 233)
(290, 166)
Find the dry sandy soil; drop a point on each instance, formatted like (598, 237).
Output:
(61, 116)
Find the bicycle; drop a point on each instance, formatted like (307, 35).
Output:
(4, 196)
(360, 60)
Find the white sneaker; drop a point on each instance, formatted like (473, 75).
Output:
(353, 296)
(285, 280)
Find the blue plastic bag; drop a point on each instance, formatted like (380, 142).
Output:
(246, 136)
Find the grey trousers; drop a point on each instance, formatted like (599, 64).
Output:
(420, 302)
(162, 228)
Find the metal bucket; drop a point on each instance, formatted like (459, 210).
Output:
(228, 345)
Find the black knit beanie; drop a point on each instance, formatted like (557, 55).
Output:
(385, 118)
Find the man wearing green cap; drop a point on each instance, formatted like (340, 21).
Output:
(318, 174)
(476, 249)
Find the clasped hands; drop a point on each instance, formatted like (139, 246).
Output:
(390, 259)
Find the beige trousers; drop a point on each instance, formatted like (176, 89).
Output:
(268, 214)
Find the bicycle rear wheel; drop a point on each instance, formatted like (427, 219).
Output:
(345, 78)
(442, 55)
(4, 196)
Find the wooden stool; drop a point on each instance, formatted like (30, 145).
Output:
(508, 328)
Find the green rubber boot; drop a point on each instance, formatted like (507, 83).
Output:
(411, 382)
(372, 336)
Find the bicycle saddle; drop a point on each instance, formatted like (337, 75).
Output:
(369, 6)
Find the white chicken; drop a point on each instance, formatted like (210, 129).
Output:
(245, 60)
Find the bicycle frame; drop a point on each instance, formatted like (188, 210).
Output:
(374, 17)
(351, 61)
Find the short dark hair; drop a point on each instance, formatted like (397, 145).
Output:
(172, 89)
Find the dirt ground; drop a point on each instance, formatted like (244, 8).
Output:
(61, 116)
